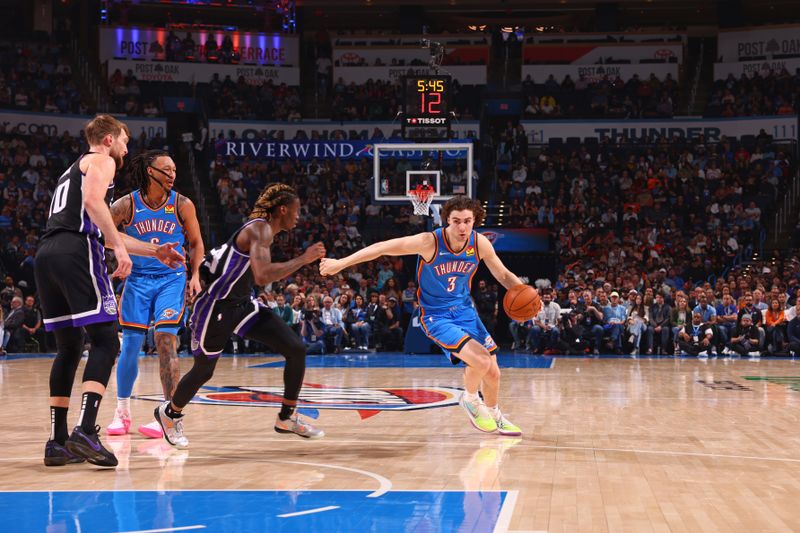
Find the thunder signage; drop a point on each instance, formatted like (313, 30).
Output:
(780, 127)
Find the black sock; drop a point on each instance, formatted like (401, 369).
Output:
(90, 403)
(286, 412)
(58, 424)
(172, 413)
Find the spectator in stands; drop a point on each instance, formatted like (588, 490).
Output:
(298, 304)
(746, 337)
(591, 318)
(15, 335)
(727, 317)
(283, 310)
(659, 327)
(755, 315)
(545, 332)
(775, 327)
(357, 318)
(614, 318)
(519, 333)
(638, 322)
(695, 337)
(758, 301)
(31, 328)
(332, 323)
(486, 303)
(394, 332)
(409, 300)
(376, 318)
(793, 330)
(312, 330)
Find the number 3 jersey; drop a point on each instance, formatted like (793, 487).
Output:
(444, 282)
(158, 226)
(66, 208)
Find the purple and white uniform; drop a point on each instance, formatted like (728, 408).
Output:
(70, 270)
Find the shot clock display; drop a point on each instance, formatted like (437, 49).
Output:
(426, 113)
(427, 95)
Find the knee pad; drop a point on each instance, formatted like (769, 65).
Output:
(103, 352)
(62, 374)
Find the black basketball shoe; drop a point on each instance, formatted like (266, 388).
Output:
(57, 455)
(88, 446)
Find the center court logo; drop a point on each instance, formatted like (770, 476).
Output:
(368, 401)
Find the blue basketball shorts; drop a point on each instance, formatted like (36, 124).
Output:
(451, 330)
(156, 298)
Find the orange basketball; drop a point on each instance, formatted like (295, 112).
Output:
(522, 303)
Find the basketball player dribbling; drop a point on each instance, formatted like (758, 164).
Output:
(227, 306)
(156, 213)
(448, 259)
(75, 290)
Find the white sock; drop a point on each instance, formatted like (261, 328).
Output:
(495, 411)
(470, 396)
(124, 404)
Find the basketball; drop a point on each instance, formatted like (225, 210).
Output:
(522, 303)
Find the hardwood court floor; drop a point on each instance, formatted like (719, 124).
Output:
(609, 445)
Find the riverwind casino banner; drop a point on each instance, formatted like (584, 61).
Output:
(307, 150)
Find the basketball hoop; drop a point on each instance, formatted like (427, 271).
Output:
(421, 199)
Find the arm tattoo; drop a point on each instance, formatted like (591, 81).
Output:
(121, 210)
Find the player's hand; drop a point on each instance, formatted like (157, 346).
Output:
(314, 252)
(124, 263)
(166, 254)
(329, 266)
(194, 287)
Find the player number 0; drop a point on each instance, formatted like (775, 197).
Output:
(59, 198)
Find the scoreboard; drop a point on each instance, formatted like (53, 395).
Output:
(426, 113)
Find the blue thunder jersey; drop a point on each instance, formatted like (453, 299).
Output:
(158, 226)
(444, 282)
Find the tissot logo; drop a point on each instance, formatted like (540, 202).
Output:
(366, 400)
(427, 121)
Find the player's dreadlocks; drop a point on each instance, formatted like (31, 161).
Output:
(272, 197)
(138, 166)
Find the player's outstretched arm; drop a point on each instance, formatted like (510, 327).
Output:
(165, 253)
(265, 271)
(99, 174)
(420, 244)
(506, 278)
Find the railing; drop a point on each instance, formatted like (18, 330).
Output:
(786, 207)
(200, 198)
(696, 82)
(89, 76)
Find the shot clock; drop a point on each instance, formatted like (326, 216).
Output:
(426, 112)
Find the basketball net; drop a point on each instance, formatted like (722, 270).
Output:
(421, 199)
